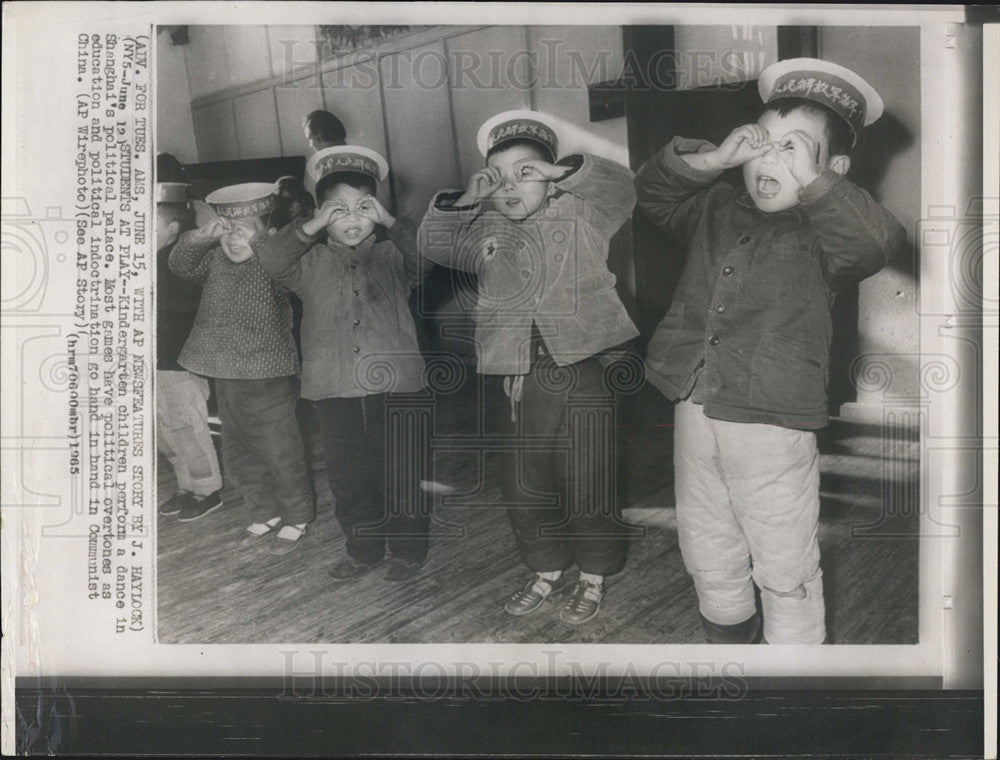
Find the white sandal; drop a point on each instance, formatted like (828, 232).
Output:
(287, 538)
(256, 531)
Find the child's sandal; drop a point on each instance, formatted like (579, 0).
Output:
(257, 531)
(287, 539)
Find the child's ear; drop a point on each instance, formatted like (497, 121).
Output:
(840, 164)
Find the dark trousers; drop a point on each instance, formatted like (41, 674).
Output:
(262, 449)
(560, 487)
(377, 450)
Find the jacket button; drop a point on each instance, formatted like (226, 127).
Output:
(355, 292)
(714, 340)
(745, 239)
(357, 349)
(357, 322)
(720, 308)
(354, 266)
(728, 271)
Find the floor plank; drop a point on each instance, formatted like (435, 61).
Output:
(211, 591)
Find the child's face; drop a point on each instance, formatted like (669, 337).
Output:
(768, 178)
(517, 198)
(236, 243)
(353, 217)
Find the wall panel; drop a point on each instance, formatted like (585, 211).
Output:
(207, 65)
(215, 132)
(489, 72)
(295, 100)
(257, 124)
(420, 134)
(248, 54)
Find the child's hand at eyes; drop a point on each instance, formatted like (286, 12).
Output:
(800, 152)
(742, 144)
(212, 231)
(322, 217)
(370, 208)
(482, 184)
(534, 170)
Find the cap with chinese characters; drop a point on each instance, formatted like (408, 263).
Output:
(347, 158)
(241, 201)
(829, 84)
(519, 125)
(171, 192)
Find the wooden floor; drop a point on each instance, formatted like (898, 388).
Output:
(212, 591)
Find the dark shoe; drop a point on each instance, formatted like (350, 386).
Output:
(583, 603)
(176, 503)
(198, 508)
(533, 595)
(747, 632)
(402, 570)
(348, 569)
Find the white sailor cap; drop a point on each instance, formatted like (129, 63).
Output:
(829, 84)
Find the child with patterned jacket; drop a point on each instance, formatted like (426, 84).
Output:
(745, 344)
(242, 337)
(182, 431)
(536, 231)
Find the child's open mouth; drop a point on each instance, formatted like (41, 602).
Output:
(767, 187)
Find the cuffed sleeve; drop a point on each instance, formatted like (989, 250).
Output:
(190, 259)
(280, 254)
(444, 233)
(605, 187)
(670, 190)
(856, 236)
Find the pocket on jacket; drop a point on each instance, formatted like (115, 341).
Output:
(788, 375)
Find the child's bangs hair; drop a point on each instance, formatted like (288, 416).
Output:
(838, 132)
(543, 153)
(357, 180)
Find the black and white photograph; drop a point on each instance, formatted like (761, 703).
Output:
(617, 386)
(633, 356)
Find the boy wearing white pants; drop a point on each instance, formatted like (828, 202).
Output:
(745, 345)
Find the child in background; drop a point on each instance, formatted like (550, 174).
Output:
(322, 130)
(745, 344)
(182, 431)
(353, 265)
(535, 231)
(292, 202)
(242, 337)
